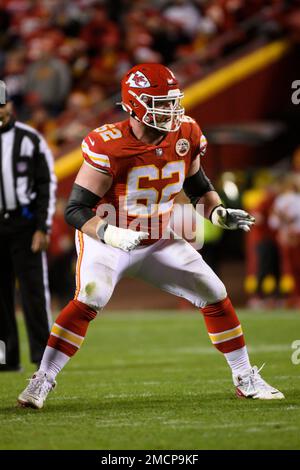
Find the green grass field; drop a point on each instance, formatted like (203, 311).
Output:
(153, 381)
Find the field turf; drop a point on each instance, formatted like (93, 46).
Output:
(153, 381)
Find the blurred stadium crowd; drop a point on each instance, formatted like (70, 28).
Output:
(272, 249)
(63, 60)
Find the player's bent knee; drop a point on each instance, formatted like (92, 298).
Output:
(216, 293)
(94, 295)
(94, 307)
(95, 304)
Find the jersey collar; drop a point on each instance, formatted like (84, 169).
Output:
(129, 134)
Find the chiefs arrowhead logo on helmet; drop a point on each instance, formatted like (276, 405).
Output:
(138, 80)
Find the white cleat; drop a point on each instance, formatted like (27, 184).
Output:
(252, 385)
(36, 391)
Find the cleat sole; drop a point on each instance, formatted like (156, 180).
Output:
(26, 404)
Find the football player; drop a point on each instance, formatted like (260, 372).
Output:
(120, 205)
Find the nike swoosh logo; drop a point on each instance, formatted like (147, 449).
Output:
(92, 141)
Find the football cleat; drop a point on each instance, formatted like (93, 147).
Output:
(36, 391)
(252, 385)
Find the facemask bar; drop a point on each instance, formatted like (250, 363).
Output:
(155, 113)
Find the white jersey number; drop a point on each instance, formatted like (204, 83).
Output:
(108, 132)
(151, 202)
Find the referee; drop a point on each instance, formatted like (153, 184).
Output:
(27, 204)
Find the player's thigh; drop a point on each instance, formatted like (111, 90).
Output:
(176, 267)
(98, 270)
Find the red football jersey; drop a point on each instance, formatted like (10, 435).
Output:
(146, 178)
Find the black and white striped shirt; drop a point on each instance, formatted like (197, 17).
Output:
(27, 178)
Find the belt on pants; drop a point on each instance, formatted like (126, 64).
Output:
(8, 214)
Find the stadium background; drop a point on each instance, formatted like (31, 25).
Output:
(62, 62)
(150, 379)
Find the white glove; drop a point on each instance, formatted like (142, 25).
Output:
(122, 238)
(232, 219)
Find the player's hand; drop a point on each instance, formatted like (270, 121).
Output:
(40, 241)
(122, 238)
(232, 219)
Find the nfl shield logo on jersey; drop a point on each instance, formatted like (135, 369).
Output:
(182, 147)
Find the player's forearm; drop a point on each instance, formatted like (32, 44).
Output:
(92, 226)
(208, 202)
(80, 213)
(200, 190)
(232, 219)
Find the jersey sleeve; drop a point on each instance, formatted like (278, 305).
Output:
(94, 155)
(199, 142)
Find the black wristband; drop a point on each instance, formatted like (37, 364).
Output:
(101, 231)
(219, 205)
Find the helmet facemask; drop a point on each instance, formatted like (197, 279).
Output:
(163, 113)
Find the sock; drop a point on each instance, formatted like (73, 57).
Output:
(238, 361)
(66, 336)
(52, 362)
(226, 334)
